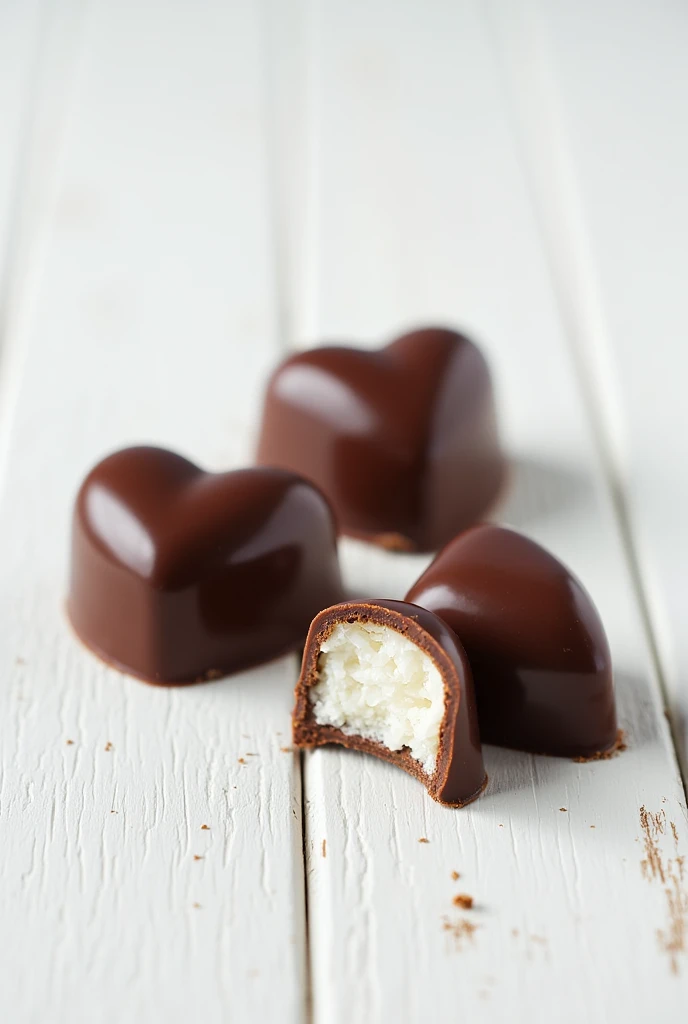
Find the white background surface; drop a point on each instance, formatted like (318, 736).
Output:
(186, 192)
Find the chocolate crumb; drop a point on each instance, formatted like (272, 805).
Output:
(423, 840)
(324, 847)
(463, 900)
(455, 875)
(206, 827)
(604, 755)
(241, 760)
(70, 743)
(250, 755)
(592, 826)
(562, 808)
(197, 906)
(197, 856)
(108, 747)
(461, 929)
(286, 750)
(393, 542)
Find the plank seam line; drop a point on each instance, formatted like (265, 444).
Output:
(274, 192)
(284, 302)
(565, 243)
(308, 973)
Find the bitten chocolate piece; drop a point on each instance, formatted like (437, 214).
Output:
(402, 440)
(390, 679)
(535, 642)
(179, 575)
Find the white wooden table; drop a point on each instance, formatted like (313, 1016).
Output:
(188, 190)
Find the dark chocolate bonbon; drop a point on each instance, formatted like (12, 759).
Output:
(403, 440)
(537, 648)
(178, 575)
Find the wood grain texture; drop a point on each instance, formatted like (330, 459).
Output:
(423, 213)
(154, 320)
(205, 183)
(610, 156)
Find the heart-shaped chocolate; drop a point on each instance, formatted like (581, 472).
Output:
(402, 440)
(537, 648)
(391, 679)
(179, 575)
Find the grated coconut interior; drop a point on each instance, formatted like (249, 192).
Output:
(376, 683)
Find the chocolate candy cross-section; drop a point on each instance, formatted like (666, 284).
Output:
(391, 679)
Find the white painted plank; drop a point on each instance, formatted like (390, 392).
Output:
(20, 26)
(39, 45)
(421, 213)
(154, 320)
(603, 119)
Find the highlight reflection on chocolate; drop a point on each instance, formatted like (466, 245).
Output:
(390, 679)
(179, 575)
(402, 440)
(537, 648)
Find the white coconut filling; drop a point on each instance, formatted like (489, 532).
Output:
(376, 683)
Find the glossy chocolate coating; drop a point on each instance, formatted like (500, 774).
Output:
(459, 776)
(537, 647)
(179, 575)
(402, 440)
